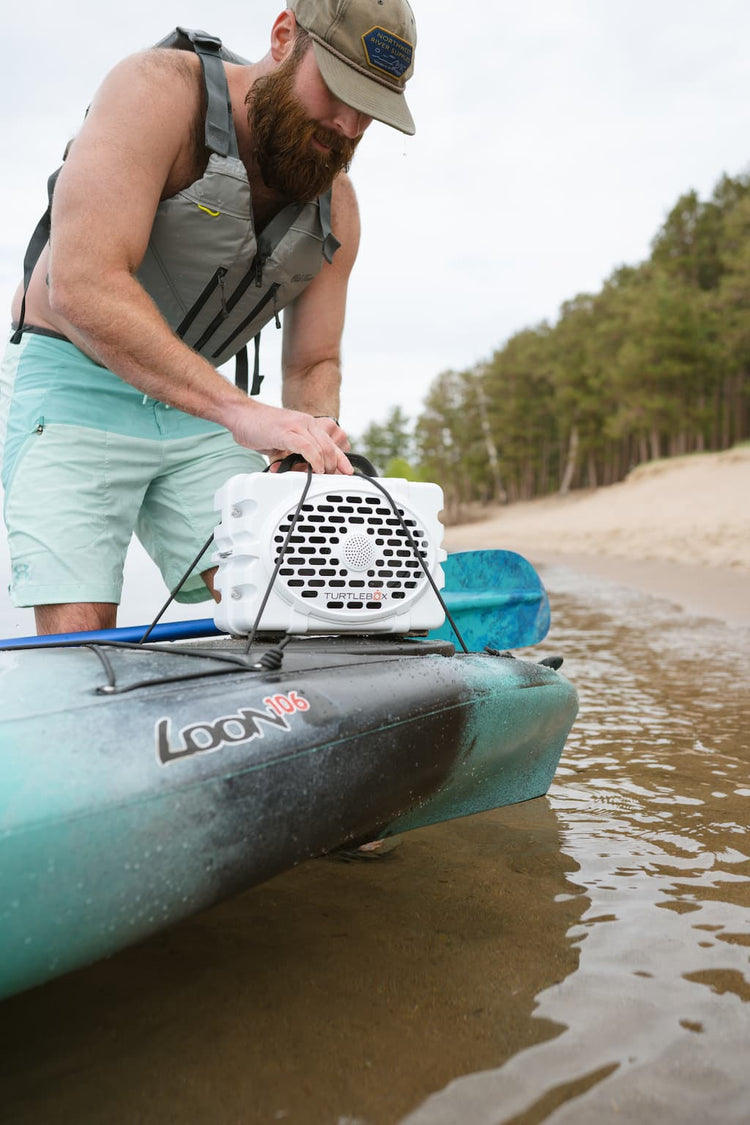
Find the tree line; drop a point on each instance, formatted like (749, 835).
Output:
(654, 365)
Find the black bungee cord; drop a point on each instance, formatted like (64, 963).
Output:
(418, 554)
(282, 551)
(272, 659)
(177, 589)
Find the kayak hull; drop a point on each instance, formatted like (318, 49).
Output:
(125, 809)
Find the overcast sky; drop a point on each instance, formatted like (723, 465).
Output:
(552, 138)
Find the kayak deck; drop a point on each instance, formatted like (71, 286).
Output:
(141, 786)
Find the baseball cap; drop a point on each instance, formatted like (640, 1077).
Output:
(365, 53)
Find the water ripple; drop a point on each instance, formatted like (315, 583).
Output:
(652, 799)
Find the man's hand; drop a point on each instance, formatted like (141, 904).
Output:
(276, 432)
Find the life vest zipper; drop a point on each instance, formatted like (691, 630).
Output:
(273, 236)
(269, 295)
(214, 282)
(227, 306)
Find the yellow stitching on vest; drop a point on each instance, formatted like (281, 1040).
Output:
(213, 214)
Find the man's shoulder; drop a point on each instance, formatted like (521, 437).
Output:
(160, 66)
(155, 76)
(151, 104)
(343, 189)
(343, 196)
(160, 85)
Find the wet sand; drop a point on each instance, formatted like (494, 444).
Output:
(709, 591)
(337, 992)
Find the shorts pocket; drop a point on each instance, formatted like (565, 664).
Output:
(9, 471)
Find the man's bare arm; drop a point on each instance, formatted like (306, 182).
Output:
(314, 323)
(134, 149)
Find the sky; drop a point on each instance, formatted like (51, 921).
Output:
(553, 137)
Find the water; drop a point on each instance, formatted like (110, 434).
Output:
(652, 799)
(580, 958)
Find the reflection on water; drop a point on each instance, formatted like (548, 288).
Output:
(578, 959)
(652, 798)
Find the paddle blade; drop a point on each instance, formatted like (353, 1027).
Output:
(496, 598)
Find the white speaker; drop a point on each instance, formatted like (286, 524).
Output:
(349, 565)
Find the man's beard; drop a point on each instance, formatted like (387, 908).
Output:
(283, 138)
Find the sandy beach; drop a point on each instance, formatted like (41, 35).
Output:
(678, 528)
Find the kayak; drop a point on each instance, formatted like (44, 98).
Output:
(142, 783)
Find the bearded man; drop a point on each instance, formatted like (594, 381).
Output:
(202, 195)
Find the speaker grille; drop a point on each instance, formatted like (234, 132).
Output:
(349, 553)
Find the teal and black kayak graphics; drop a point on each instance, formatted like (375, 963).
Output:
(139, 785)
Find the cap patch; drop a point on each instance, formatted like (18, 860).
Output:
(387, 52)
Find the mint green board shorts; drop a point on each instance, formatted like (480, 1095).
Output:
(87, 460)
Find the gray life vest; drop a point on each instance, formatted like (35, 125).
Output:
(215, 281)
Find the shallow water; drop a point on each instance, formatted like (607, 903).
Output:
(580, 958)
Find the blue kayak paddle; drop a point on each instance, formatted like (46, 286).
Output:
(495, 597)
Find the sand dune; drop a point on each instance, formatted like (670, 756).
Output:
(689, 510)
(678, 528)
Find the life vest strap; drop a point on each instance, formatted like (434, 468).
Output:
(220, 135)
(330, 242)
(37, 242)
